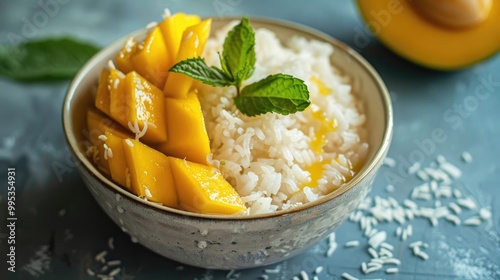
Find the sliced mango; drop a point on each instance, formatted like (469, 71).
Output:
(140, 102)
(102, 96)
(100, 160)
(193, 42)
(151, 59)
(203, 189)
(150, 173)
(116, 158)
(123, 58)
(172, 29)
(187, 135)
(97, 125)
(116, 87)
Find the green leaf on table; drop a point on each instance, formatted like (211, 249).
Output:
(279, 93)
(238, 54)
(197, 69)
(47, 59)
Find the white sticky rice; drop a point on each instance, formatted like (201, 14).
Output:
(267, 158)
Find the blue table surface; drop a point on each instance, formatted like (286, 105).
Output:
(60, 228)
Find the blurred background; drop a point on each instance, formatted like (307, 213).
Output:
(60, 228)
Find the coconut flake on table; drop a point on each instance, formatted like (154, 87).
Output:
(439, 189)
(466, 157)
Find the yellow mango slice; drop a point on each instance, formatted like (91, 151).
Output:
(193, 42)
(140, 102)
(203, 189)
(97, 125)
(172, 29)
(102, 96)
(116, 86)
(99, 159)
(187, 135)
(123, 58)
(116, 159)
(151, 59)
(150, 173)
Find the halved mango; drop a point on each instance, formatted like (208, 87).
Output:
(116, 160)
(203, 189)
(141, 102)
(402, 28)
(102, 96)
(123, 58)
(172, 29)
(150, 173)
(151, 59)
(193, 42)
(187, 135)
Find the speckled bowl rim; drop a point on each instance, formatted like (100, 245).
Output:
(367, 169)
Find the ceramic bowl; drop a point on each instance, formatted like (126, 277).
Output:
(224, 242)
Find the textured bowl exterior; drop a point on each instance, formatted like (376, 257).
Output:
(218, 242)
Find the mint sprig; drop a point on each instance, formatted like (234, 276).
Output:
(238, 53)
(196, 68)
(279, 93)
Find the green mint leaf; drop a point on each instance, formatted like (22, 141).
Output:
(224, 67)
(238, 54)
(277, 93)
(47, 59)
(197, 69)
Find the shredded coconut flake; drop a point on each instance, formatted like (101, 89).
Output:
(473, 221)
(114, 263)
(466, 157)
(114, 272)
(352, 243)
(111, 65)
(318, 270)
(348, 276)
(151, 25)
(391, 270)
(273, 270)
(414, 168)
(304, 275)
(101, 256)
(111, 243)
(485, 214)
(389, 162)
(166, 14)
